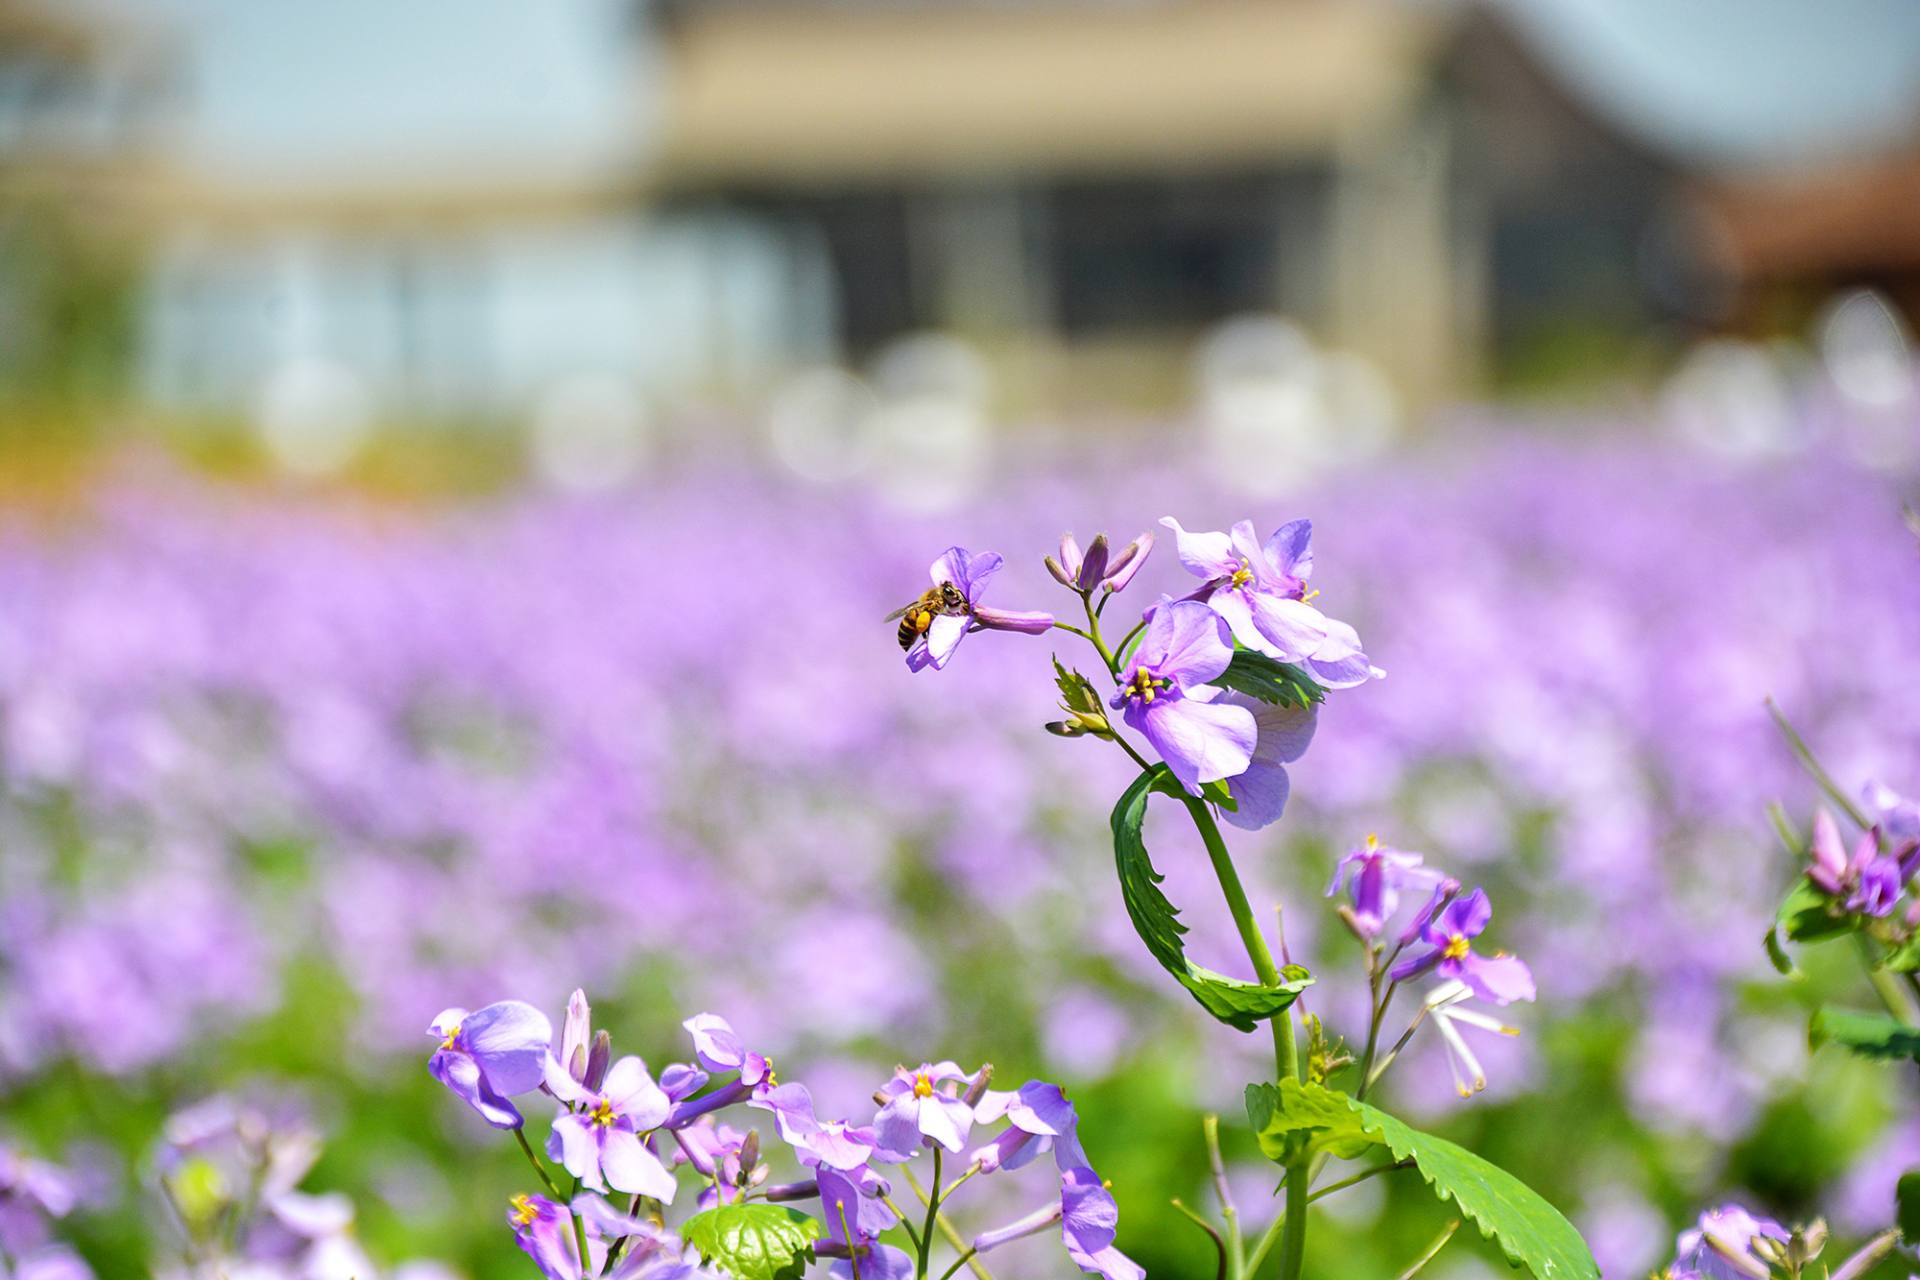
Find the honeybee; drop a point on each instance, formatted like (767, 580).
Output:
(915, 618)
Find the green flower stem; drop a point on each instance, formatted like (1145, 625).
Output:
(949, 1232)
(933, 1212)
(1219, 1245)
(1432, 1251)
(579, 1226)
(1093, 634)
(1286, 1049)
(1234, 1251)
(534, 1160)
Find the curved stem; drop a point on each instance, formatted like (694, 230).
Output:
(933, 1212)
(1204, 1225)
(958, 1263)
(534, 1160)
(1093, 634)
(1234, 1252)
(579, 1228)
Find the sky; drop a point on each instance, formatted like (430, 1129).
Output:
(369, 87)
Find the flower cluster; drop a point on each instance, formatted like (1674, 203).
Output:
(1253, 597)
(33, 1195)
(1438, 939)
(1731, 1243)
(1869, 881)
(616, 1128)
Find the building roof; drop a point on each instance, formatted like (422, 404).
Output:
(820, 93)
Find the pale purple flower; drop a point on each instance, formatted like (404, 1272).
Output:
(490, 1054)
(1088, 1217)
(877, 1262)
(45, 1185)
(918, 1109)
(1446, 1009)
(1039, 1119)
(1261, 591)
(598, 1138)
(1500, 978)
(943, 632)
(1376, 875)
(1166, 696)
(720, 1048)
(1869, 882)
(832, 1143)
(1282, 735)
(1720, 1246)
(544, 1231)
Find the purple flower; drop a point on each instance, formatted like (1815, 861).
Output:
(1868, 882)
(1377, 875)
(918, 1109)
(720, 1048)
(1449, 935)
(1088, 1218)
(942, 632)
(1098, 567)
(1720, 1247)
(544, 1230)
(1261, 592)
(598, 1137)
(490, 1054)
(1166, 696)
(1281, 736)
(1039, 1119)
(832, 1143)
(1446, 1006)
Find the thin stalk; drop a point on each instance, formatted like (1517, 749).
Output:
(1093, 634)
(958, 1263)
(1229, 1212)
(538, 1167)
(1265, 1244)
(579, 1226)
(846, 1233)
(1360, 1177)
(901, 1215)
(1067, 626)
(948, 1232)
(1804, 754)
(1433, 1250)
(1220, 1273)
(933, 1212)
(1898, 1000)
(1286, 1054)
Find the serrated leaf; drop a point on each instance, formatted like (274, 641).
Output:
(1237, 1003)
(1906, 1199)
(1303, 1119)
(1871, 1035)
(754, 1241)
(1259, 676)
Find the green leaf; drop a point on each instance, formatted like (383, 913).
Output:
(1871, 1035)
(1219, 793)
(1296, 1121)
(754, 1241)
(1259, 676)
(1777, 954)
(1905, 958)
(1076, 691)
(1808, 915)
(1906, 1199)
(1237, 1003)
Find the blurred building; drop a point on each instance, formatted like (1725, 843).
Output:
(491, 202)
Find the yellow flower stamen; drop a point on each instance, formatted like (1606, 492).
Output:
(1241, 576)
(602, 1114)
(922, 1085)
(453, 1033)
(1309, 597)
(1457, 947)
(523, 1211)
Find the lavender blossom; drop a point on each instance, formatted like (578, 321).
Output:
(598, 1138)
(919, 1111)
(489, 1055)
(1446, 1009)
(1261, 591)
(1721, 1246)
(1166, 696)
(1087, 1216)
(941, 633)
(1500, 978)
(1281, 737)
(1039, 1119)
(1377, 875)
(1868, 883)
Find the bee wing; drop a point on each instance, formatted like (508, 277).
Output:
(901, 612)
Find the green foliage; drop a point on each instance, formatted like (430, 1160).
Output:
(1906, 1198)
(1239, 1004)
(754, 1241)
(1871, 1035)
(1259, 676)
(1295, 1121)
(1905, 958)
(1807, 914)
(1081, 701)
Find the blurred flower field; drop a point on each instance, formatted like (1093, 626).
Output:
(285, 775)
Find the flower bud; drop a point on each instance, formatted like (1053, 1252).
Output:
(749, 1155)
(1443, 893)
(1121, 568)
(1059, 572)
(1094, 567)
(978, 1087)
(597, 1060)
